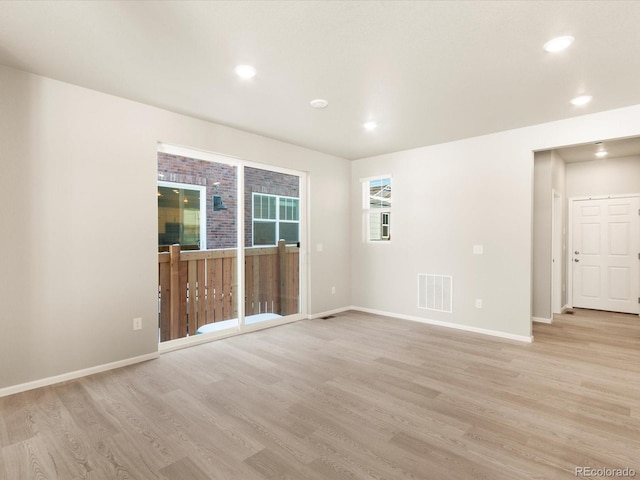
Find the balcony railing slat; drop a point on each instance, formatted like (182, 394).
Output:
(199, 287)
(184, 292)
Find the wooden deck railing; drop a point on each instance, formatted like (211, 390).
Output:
(200, 287)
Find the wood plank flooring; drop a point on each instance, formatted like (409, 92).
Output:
(352, 397)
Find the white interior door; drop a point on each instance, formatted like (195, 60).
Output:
(606, 238)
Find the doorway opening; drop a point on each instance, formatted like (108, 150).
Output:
(562, 177)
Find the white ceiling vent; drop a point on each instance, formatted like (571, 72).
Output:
(435, 292)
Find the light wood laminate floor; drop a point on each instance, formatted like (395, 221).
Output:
(352, 397)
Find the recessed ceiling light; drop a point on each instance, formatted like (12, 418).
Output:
(370, 126)
(601, 154)
(319, 103)
(558, 44)
(581, 100)
(245, 71)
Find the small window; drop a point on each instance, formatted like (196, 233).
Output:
(181, 216)
(377, 208)
(275, 218)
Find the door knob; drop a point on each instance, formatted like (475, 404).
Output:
(577, 252)
(576, 260)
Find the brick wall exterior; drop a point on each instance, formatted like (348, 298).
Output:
(265, 181)
(221, 225)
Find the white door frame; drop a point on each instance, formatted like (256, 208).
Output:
(557, 228)
(570, 238)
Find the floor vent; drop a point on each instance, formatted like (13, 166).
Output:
(327, 317)
(435, 292)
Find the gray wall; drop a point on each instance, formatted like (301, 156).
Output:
(559, 184)
(549, 177)
(71, 284)
(604, 177)
(78, 263)
(451, 196)
(542, 214)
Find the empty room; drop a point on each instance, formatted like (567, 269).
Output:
(319, 240)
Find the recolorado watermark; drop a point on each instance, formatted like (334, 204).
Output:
(590, 472)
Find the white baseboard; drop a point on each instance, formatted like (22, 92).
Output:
(565, 309)
(329, 312)
(542, 320)
(44, 382)
(456, 326)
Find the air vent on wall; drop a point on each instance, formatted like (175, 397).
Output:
(435, 292)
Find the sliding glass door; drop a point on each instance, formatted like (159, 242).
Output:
(209, 205)
(272, 226)
(197, 244)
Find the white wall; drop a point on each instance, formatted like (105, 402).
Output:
(542, 216)
(604, 176)
(559, 185)
(449, 197)
(78, 263)
(549, 177)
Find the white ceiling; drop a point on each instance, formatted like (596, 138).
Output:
(626, 147)
(427, 72)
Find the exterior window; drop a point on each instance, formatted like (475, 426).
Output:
(181, 215)
(377, 208)
(384, 220)
(275, 218)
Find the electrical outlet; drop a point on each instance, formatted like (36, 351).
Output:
(137, 323)
(478, 303)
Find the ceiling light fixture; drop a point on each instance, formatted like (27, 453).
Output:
(319, 103)
(245, 71)
(601, 154)
(581, 100)
(370, 126)
(558, 44)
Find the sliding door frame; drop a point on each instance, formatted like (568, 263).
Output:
(240, 165)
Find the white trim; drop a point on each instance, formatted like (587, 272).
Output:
(604, 197)
(375, 177)
(367, 210)
(203, 205)
(240, 248)
(564, 309)
(556, 251)
(166, 347)
(64, 377)
(570, 252)
(456, 326)
(542, 320)
(197, 154)
(193, 340)
(254, 327)
(329, 312)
